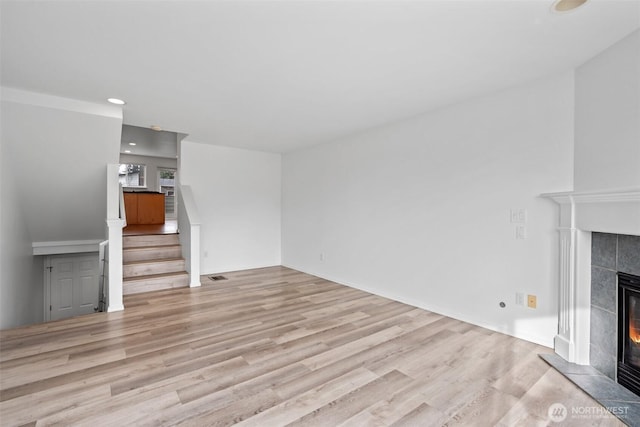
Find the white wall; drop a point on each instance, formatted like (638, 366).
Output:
(607, 144)
(59, 149)
(419, 211)
(238, 197)
(152, 163)
(21, 274)
(54, 156)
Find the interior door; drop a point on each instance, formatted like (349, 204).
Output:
(74, 285)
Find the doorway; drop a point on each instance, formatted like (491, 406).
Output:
(167, 186)
(71, 285)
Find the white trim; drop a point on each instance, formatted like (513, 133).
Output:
(600, 196)
(115, 224)
(583, 297)
(65, 247)
(615, 211)
(114, 227)
(190, 205)
(566, 295)
(122, 209)
(120, 223)
(574, 284)
(189, 223)
(47, 289)
(194, 261)
(114, 307)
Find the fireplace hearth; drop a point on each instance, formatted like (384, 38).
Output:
(629, 332)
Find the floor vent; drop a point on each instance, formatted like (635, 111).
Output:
(214, 278)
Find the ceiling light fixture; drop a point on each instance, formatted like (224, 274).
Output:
(132, 143)
(156, 128)
(567, 5)
(116, 101)
(127, 151)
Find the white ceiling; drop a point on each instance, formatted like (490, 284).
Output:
(281, 75)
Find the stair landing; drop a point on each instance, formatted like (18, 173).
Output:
(169, 227)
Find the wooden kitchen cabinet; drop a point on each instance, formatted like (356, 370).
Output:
(131, 207)
(144, 207)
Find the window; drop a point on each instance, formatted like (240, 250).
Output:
(132, 175)
(167, 183)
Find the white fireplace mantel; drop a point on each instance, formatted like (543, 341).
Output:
(581, 213)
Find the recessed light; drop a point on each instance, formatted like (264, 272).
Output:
(116, 101)
(567, 5)
(156, 128)
(132, 143)
(127, 151)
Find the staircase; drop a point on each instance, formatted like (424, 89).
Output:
(152, 263)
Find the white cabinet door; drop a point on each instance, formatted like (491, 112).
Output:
(74, 285)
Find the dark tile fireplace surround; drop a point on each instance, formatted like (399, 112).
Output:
(610, 254)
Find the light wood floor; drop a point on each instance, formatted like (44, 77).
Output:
(273, 347)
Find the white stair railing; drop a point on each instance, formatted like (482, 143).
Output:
(189, 226)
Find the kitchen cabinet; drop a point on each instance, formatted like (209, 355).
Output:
(144, 207)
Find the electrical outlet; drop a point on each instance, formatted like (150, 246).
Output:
(521, 232)
(520, 298)
(321, 256)
(532, 301)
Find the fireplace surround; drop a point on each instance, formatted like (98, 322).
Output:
(612, 255)
(615, 212)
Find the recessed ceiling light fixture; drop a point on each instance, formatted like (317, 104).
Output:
(567, 5)
(116, 101)
(132, 143)
(156, 128)
(127, 151)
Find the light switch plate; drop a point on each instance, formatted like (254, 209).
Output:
(518, 216)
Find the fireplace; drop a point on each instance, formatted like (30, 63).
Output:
(614, 212)
(629, 331)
